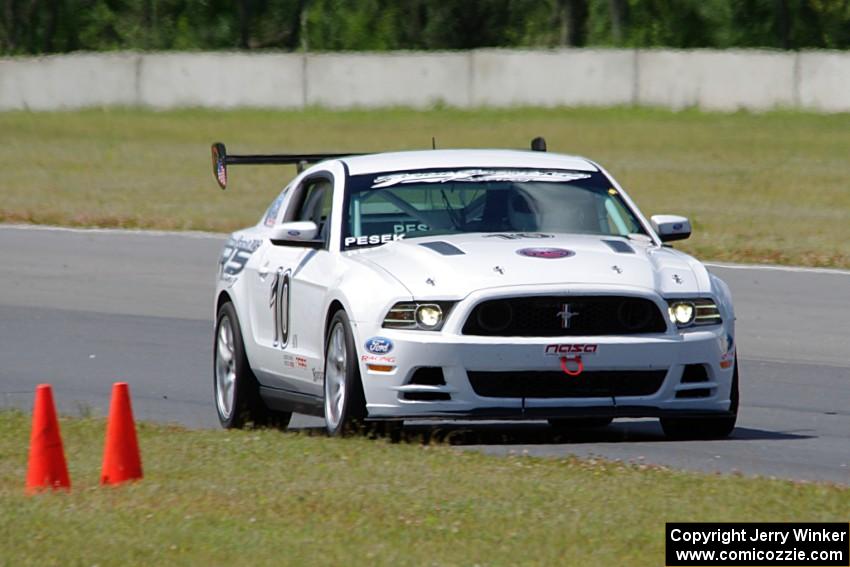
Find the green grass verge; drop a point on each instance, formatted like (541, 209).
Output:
(270, 498)
(760, 188)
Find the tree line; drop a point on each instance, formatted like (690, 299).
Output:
(56, 26)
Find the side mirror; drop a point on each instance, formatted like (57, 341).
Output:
(298, 233)
(671, 227)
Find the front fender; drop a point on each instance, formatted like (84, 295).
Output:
(723, 295)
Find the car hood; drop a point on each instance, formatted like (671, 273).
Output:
(454, 266)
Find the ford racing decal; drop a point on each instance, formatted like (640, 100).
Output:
(549, 253)
(379, 345)
(377, 359)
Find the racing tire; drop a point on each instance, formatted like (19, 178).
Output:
(705, 427)
(236, 390)
(567, 424)
(344, 400)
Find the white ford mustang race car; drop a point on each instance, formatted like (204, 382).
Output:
(467, 284)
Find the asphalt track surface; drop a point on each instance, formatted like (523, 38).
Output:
(81, 309)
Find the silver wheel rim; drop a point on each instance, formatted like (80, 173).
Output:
(225, 368)
(335, 367)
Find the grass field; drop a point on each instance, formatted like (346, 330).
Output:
(760, 188)
(268, 498)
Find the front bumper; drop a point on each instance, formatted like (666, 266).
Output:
(391, 395)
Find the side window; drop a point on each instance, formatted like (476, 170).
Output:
(270, 218)
(312, 201)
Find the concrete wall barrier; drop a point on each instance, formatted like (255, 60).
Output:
(825, 81)
(220, 80)
(569, 77)
(708, 79)
(377, 80)
(716, 80)
(75, 81)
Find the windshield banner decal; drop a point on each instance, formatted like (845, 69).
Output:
(478, 176)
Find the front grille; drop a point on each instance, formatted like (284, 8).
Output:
(556, 384)
(427, 376)
(557, 316)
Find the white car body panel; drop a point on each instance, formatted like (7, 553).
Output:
(366, 282)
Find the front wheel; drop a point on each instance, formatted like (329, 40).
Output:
(345, 403)
(707, 427)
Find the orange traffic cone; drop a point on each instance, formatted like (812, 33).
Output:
(47, 467)
(121, 460)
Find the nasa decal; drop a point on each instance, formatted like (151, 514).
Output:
(547, 253)
(379, 345)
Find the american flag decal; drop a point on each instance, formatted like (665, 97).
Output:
(219, 159)
(221, 173)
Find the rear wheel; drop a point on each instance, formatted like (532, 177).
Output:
(706, 427)
(237, 392)
(345, 403)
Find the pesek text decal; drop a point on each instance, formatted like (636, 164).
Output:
(371, 239)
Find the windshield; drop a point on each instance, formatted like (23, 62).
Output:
(390, 206)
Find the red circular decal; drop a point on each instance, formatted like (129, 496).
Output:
(545, 252)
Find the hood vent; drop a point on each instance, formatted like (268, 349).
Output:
(619, 246)
(443, 248)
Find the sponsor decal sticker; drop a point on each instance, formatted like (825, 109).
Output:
(403, 228)
(371, 239)
(548, 253)
(564, 349)
(289, 361)
(377, 359)
(235, 254)
(300, 362)
(379, 345)
(271, 215)
(518, 235)
(727, 359)
(318, 375)
(478, 176)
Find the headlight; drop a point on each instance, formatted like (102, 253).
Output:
(419, 316)
(689, 312)
(681, 313)
(429, 316)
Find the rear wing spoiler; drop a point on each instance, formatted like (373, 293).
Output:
(220, 161)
